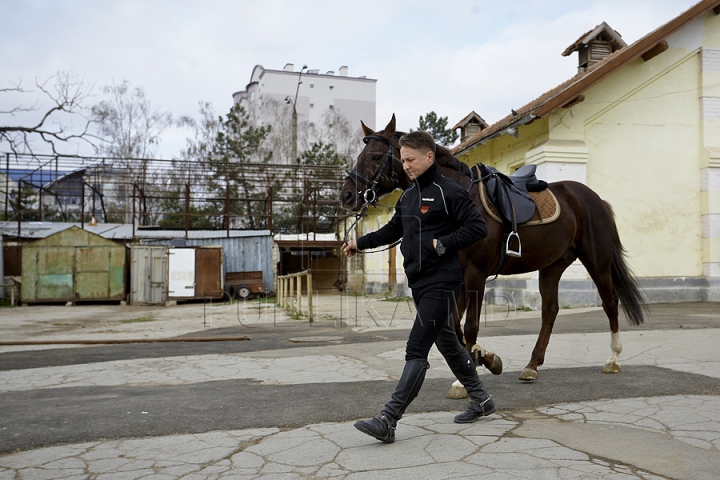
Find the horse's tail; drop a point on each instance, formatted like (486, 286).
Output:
(625, 283)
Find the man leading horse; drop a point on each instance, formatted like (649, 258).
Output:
(435, 218)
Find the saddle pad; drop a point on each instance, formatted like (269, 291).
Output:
(547, 211)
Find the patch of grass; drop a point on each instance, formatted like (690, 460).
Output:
(5, 302)
(138, 320)
(524, 309)
(390, 298)
(268, 300)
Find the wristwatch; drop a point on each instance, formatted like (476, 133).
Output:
(440, 248)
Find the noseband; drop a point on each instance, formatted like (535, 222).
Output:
(370, 194)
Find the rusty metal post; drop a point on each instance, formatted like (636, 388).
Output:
(19, 206)
(315, 214)
(82, 204)
(269, 209)
(132, 220)
(227, 205)
(310, 295)
(7, 184)
(187, 209)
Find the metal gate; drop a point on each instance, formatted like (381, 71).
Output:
(148, 272)
(181, 272)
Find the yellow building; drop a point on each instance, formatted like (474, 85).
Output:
(640, 125)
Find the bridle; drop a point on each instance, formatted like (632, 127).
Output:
(370, 194)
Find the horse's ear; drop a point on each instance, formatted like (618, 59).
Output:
(391, 126)
(366, 130)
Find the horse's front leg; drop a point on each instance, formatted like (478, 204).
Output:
(489, 360)
(472, 301)
(549, 279)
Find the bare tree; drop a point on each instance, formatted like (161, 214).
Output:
(335, 130)
(128, 124)
(130, 128)
(61, 123)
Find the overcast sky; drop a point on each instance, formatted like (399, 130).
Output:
(450, 56)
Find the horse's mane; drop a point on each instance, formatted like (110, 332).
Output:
(446, 159)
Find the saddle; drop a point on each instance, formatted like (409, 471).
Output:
(513, 201)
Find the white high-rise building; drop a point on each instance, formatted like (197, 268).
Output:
(314, 96)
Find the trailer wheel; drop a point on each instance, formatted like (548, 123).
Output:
(244, 292)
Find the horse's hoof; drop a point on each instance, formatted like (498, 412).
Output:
(457, 391)
(611, 368)
(528, 375)
(496, 368)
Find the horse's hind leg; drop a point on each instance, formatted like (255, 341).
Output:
(548, 283)
(603, 281)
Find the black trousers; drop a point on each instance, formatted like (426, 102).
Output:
(434, 323)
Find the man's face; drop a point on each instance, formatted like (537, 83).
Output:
(415, 162)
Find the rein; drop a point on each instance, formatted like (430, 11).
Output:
(370, 194)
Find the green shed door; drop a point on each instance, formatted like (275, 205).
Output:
(92, 273)
(54, 274)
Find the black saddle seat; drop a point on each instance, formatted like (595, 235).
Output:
(524, 178)
(510, 193)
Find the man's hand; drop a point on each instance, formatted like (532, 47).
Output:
(350, 248)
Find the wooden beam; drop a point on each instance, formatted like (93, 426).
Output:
(716, 10)
(655, 51)
(574, 101)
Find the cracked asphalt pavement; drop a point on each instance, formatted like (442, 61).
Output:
(283, 403)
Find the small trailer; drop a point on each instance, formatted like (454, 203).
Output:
(244, 285)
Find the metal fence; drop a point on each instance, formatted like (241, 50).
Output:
(171, 194)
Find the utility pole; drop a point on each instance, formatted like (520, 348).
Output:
(294, 114)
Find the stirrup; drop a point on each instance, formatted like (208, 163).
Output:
(513, 253)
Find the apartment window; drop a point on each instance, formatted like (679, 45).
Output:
(312, 125)
(312, 85)
(331, 107)
(312, 105)
(332, 88)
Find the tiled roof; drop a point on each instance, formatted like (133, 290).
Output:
(569, 90)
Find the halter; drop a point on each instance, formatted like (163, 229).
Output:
(370, 195)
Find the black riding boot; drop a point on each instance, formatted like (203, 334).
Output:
(382, 427)
(481, 404)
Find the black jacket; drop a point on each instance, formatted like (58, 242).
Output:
(433, 207)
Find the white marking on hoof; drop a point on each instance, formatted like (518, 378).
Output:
(457, 391)
(476, 348)
(613, 363)
(528, 375)
(611, 368)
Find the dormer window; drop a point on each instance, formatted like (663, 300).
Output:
(470, 125)
(595, 45)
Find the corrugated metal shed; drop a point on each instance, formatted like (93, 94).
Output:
(243, 251)
(246, 254)
(117, 231)
(73, 265)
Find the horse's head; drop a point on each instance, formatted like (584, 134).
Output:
(378, 170)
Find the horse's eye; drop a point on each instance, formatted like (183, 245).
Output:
(376, 158)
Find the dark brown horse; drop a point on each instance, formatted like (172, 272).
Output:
(584, 230)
